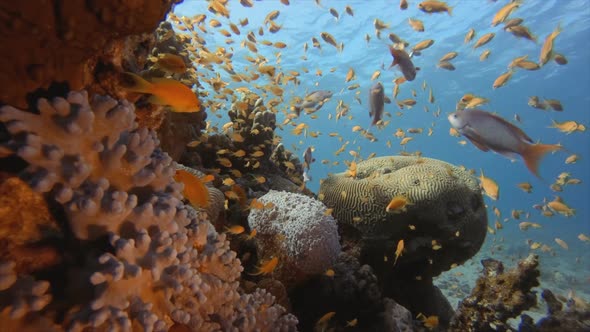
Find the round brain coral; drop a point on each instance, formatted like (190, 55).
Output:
(296, 229)
(443, 223)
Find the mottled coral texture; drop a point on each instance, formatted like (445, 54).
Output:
(297, 230)
(162, 263)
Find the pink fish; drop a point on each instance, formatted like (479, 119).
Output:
(488, 131)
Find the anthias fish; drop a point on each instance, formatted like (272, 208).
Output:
(488, 131)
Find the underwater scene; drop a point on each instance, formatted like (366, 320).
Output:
(284, 165)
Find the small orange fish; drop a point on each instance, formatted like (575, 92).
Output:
(434, 6)
(325, 318)
(165, 92)
(490, 187)
(267, 267)
(398, 204)
(547, 49)
(194, 189)
(171, 62)
(398, 250)
(235, 230)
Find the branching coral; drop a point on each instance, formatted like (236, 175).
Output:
(164, 263)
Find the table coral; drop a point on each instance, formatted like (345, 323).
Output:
(445, 219)
(144, 259)
(297, 230)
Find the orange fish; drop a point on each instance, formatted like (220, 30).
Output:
(165, 91)
(267, 267)
(398, 250)
(235, 230)
(434, 6)
(398, 204)
(194, 189)
(488, 131)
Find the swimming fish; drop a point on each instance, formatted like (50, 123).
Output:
(488, 131)
(165, 91)
(403, 60)
(484, 39)
(434, 6)
(308, 158)
(504, 12)
(267, 267)
(194, 190)
(490, 187)
(314, 100)
(171, 63)
(376, 102)
(399, 250)
(547, 49)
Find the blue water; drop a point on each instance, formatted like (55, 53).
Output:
(570, 83)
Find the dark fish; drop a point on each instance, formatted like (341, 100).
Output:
(403, 60)
(376, 102)
(308, 158)
(488, 131)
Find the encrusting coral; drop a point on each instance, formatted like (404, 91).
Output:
(143, 258)
(295, 229)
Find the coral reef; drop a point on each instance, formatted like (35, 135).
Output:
(297, 230)
(353, 292)
(141, 258)
(558, 319)
(498, 296)
(56, 41)
(444, 223)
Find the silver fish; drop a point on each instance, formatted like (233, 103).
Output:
(376, 102)
(314, 100)
(488, 131)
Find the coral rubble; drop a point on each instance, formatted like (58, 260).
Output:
(141, 258)
(498, 296)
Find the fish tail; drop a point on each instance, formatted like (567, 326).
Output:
(136, 83)
(535, 152)
(450, 10)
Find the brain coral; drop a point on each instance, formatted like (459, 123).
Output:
(143, 259)
(447, 213)
(297, 230)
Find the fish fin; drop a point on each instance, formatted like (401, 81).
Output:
(393, 52)
(450, 10)
(474, 138)
(136, 83)
(533, 154)
(156, 100)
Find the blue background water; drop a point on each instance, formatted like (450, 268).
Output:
(303, 20)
